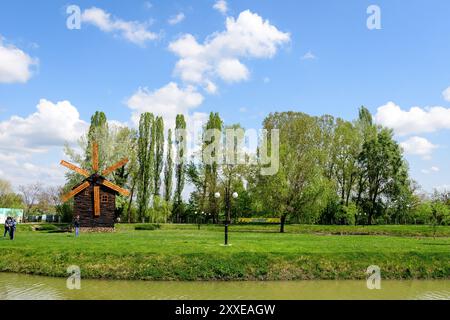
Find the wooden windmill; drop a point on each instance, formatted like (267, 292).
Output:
(94, 197)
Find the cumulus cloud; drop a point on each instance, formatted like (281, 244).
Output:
(418, 146)
(248, 36)
(413, 121)
(52, 124)
(26, 143)
(176, 19)
(167, 102)
(446, 94)
(15, 65)
(133, 31)
(231, 70)
(221, 6)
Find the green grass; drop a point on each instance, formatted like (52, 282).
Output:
(181, 252)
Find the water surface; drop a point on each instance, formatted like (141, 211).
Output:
(19, 286)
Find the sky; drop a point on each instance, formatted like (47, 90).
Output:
(243, 59)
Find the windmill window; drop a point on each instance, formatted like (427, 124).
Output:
(86, 192)
(104, 198)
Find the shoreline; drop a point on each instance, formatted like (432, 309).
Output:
(184, 253)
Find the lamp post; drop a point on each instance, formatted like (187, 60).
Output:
(234, 195)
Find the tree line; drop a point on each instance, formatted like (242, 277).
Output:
(331, 171)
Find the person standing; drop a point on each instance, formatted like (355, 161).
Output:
(12, 228)
(7, 221)
(76, 224)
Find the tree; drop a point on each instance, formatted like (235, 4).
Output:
(145, 157)
(298, 183)
(159, 154)
(213, 131)
(30, 194)
(99, 133)
(8, 198)
(180, 143)
(383, 170)
(168, 172)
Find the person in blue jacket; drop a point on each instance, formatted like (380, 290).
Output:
(7, 222)
(12, 228)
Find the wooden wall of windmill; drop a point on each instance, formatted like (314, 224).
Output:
(95, 196)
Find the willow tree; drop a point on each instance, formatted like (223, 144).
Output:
(159, 154)
(145, 156)
(296, 187)
(168, 170)
(180, 143)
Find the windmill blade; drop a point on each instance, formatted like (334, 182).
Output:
(95, 156)
(115, 187)
(75, 191)
(75, 168)
(97, 201)
(114, 167)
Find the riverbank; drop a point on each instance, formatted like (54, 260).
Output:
(182, 252)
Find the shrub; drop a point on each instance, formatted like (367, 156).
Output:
(148, 226)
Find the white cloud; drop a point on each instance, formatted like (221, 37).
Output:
(308, 56)
(248, 36)
(176, 19)
(266, 79)
(221, 6)
(432, 169)
(231, 70)
(27, 143)
(52, 124)
(414, 121)
(446, 94)
(167, 102)
(133, 31)
(418, 146)
(243, 109)
(15, 65)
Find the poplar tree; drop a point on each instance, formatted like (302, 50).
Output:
(159, 154)
(180, 144)
(145, 156)
(168, 172)
(98, 132)
(211, 170)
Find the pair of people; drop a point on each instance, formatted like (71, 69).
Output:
(10, 227)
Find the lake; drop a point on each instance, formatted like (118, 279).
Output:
(19, 286)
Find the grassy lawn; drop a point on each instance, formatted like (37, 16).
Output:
(181, 252)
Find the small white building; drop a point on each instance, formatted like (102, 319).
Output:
(7, 212)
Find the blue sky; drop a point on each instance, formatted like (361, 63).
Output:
(313, 56)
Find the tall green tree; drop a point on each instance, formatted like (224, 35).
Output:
(99, 133)
(159, 154)
(145, 157)
(168, 169)
(296, 188)
(384, 172)
(211, 169)
(180, 143)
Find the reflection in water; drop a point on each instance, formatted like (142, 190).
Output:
(18, 286)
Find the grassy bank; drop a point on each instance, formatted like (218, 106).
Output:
(181, 252)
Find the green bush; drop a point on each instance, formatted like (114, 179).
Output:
(45, 227)
(147, 226)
